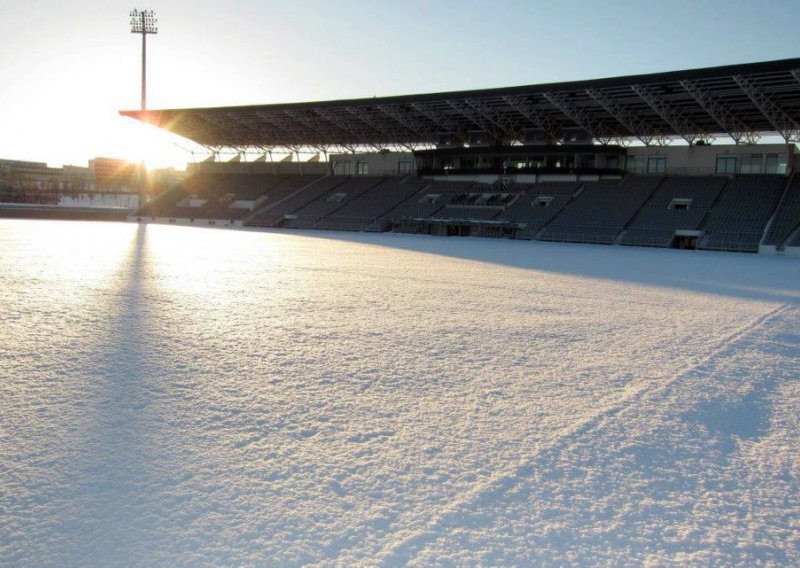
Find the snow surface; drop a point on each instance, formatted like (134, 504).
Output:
(183, 397)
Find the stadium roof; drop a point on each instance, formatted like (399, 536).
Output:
(739, 101)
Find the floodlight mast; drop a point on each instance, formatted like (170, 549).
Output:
(144, 22)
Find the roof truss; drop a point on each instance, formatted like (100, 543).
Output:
(742, 102)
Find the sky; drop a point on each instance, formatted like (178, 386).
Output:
(67, 68)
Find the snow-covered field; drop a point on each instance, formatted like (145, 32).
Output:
(184, 397)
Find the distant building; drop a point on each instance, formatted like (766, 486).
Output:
(106, 175)
(115, 175)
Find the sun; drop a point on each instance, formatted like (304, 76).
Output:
(137, 142)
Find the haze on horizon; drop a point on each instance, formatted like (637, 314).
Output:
(69, 68)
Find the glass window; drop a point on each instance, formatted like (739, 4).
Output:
(343, 168)
(726, 165)
(776, 164)
(612, 162)
(362, 168)
(656, 164)
(586, 161)
(404, 167)
(751, 164)
(635, 164)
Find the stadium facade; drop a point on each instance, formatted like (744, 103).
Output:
(702, 158)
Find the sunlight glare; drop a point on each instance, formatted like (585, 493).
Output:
(78, 260)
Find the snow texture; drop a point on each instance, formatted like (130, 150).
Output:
(175, 396)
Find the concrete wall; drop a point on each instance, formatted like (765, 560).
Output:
(702, 160)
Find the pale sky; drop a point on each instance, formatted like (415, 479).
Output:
(67, 68)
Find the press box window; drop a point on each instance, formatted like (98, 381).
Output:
(343, 167)
(776, 164)
(635, 164)
(656, 164)
(751, 164)
(362, 168)
(404, 167)
(726, 165)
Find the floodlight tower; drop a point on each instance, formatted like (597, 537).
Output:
(143, 22)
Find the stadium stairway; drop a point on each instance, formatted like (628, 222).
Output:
(786, 219)
(739, 217)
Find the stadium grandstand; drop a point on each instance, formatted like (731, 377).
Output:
(693, 159)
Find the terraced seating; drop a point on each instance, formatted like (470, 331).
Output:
(738, 220)
(162, 204)
(534, 211)
(467, 213)
(249, 187)
(228, 212)
(538, 205)
(640, 210)
(428, 201)
(600, 211)
(274, 212)
(307, 216)
(366, 211)
(553, 188)
(679, 203)
(218, 190)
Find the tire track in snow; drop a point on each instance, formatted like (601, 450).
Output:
(402, 550)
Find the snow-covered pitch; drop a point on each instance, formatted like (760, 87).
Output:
(177, 396)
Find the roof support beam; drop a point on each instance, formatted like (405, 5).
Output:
(505, 127)
(672, 116)
(533, 115)
(409, 123)
(228, 124)
(362, 115)
(484, 118)
(470, 115)
(278, 124)
(347, 127)
(314, 126)
(717, 110)
(632, 123)
(439, 119)
(785, 126)
(595, 128)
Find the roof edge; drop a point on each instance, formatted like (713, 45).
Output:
(660, 77)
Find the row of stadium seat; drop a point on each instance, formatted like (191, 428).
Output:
(724, 214)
